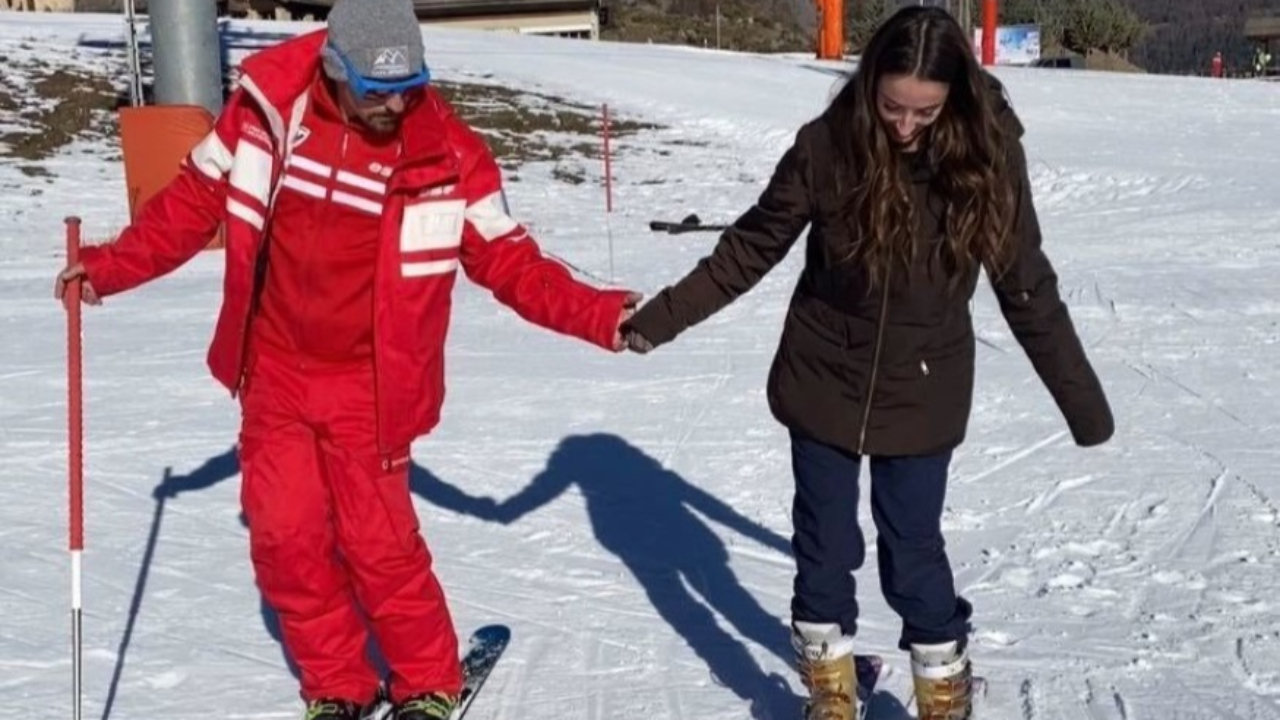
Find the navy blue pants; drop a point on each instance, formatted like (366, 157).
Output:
(907, 494)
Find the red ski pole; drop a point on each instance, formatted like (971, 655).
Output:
(76, 462)
(990, 26)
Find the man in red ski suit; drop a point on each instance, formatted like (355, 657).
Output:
(351, 194)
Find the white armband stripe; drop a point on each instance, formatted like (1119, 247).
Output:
(490, 218)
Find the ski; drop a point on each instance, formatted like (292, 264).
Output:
(487, 645)
(692, 223)
(484, 649)
(867, 669)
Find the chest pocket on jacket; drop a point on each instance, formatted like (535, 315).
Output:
(432, 225)
(430, 236)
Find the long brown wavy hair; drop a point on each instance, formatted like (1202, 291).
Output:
(965, 146)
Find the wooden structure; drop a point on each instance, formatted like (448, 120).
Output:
(38, 5)
(562, 18)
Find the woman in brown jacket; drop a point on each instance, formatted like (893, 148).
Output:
(912, 182)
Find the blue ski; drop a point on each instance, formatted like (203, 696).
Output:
(485, 647)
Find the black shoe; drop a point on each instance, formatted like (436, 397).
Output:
(334, 709)
(429, 706)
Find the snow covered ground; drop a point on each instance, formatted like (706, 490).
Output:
(638, 547)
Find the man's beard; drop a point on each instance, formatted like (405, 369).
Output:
(383, 123)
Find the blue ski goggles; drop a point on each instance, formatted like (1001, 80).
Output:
(372, 88)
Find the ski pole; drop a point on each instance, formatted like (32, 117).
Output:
(76, 461)
(608, 184)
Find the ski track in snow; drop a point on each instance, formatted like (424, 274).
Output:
(1128, 582)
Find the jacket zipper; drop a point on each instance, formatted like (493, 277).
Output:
(259, 279)
(388, 462)
(875, 366)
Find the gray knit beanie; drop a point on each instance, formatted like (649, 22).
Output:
(381, 39)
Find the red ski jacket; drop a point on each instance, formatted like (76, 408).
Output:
(441, 207)
(317, 301)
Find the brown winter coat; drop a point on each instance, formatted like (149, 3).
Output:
(882, 373)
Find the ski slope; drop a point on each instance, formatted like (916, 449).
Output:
(628, 517)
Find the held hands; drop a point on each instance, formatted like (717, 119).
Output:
(70, 274)
(629, 302)
(628, 338)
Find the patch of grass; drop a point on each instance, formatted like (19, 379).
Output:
(569, 176)
(73, 105)
(62, 105)
(743, 25)
(522, 126)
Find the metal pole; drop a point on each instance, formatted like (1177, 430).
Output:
(831, 29)
(608, 184)
(75, 466)
(135, 54)
(608, 161)
(186, 52)
(990, 15)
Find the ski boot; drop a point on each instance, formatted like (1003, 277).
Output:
(335, 709)
(943, 679)
(825, 658)
(428, 706)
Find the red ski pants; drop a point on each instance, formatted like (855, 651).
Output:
(334, 537)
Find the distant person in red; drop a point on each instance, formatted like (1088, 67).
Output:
(351, 195)
(1217, 64)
